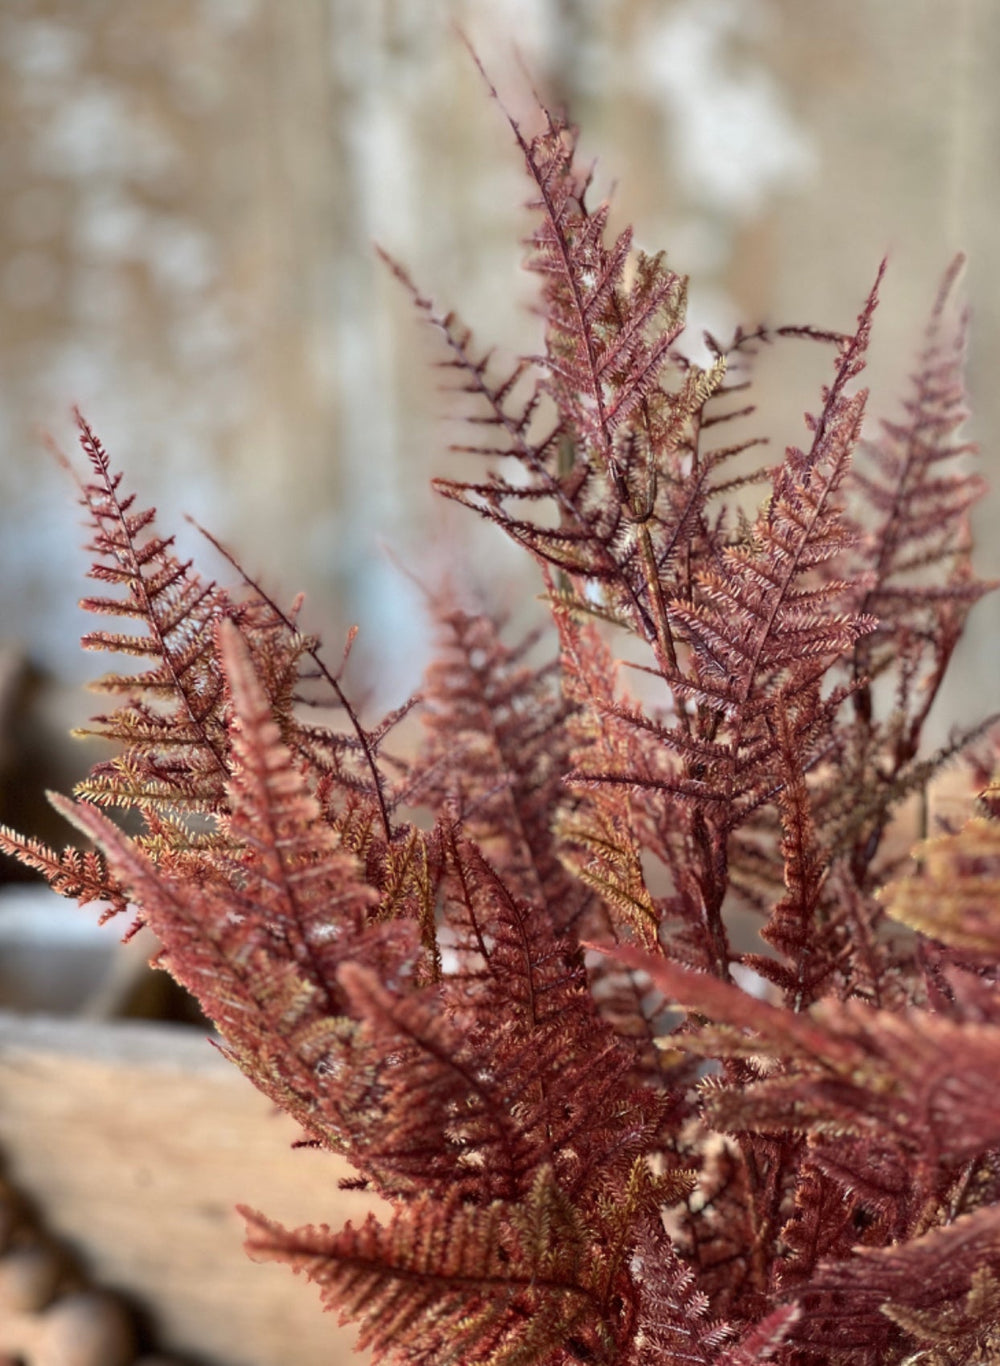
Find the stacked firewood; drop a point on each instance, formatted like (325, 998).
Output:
(49, 1316)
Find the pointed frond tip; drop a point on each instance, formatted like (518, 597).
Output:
(74, 873)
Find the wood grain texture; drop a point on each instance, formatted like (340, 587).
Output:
(136, 1141)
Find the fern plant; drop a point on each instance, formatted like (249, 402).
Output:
(499, 975)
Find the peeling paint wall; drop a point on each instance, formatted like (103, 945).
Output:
(191, 190)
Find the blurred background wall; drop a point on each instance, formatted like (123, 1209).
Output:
(191, 190)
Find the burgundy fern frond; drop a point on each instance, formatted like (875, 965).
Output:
(348, 761)
(83, 876)
(803, 925)
(447, 1282)
(916, 485)
(674, 1323)
(171, 719)
(763, 1342)
(603, 355)
(763, 612)
(291, 870)
(259, 937)
(497, 751)
(830, 1217)
(860, 1304)
(597, 828)
(921, 586)
(464, 1134)
(524, 1101)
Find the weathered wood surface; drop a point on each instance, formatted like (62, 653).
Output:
(137, 1141)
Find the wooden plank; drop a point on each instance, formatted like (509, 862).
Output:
(136, 1141)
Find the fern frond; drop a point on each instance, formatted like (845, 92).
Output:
(496, 752)
(674, 1323)
(603, 354)
(259, 937)
(597, 831)
(264, 623)
(81, 875)
(800, 926)
(762, 611)
(824, 1224)
(955, 896)
(920, 584)
(915, 483)
(485, 1110)
(857, 1305)
(847, 1069)
(449, 1282)
(963, 1332)
(179, 611)
(763, 1341)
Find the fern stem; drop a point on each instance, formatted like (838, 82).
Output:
(666, 648)
(334, 682)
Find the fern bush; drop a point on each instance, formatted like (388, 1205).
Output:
(499, 975)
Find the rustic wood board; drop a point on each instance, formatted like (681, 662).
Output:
(136, 1141)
